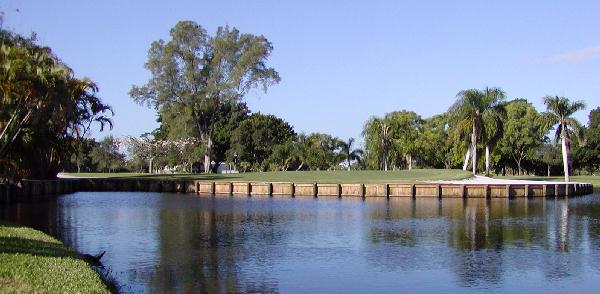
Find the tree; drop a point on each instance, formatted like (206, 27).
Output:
(434, 142)
(470, 112)
(106, 155)
(255, 138)
(376, 133)
(589, 154)
(561, 109)
(405, 129)
(524, 130)
(349, 153)
(43, 109)
(196, 74)
(492, 117)
(321, 151)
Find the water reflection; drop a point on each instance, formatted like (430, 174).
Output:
(182, 243)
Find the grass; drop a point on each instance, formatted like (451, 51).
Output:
(403, 176)
(33, 262)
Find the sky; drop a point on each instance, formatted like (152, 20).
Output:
(341, 62)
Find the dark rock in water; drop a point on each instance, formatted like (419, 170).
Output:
(93, 259)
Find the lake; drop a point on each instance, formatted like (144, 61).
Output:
(163, 242)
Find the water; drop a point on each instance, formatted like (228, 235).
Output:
(160, 242)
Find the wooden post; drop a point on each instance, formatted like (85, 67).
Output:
(508, 191)
(486, 191)
(462, 191)
(556, 190)
(270, 189)
(413, 191)
(315, 190)
(293, 190)
(249, 188)
(526, 191)
(362, 190)
(338, 190)
(230, 188)
(438, 188)
(544, 190)
(386, 190)
(212, 188)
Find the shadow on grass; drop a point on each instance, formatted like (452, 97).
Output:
(178, 177)
(35, 247)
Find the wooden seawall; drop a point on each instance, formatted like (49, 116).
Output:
(33, 190)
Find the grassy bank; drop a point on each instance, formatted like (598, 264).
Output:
(33, 262)
(302, 176)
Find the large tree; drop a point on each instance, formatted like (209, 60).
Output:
(589, 154)
(43, 109)
(524, 130)
(405, 128)
(377, 136)
(256, 137)
(561, 109)
(197, 73)
(472, 111)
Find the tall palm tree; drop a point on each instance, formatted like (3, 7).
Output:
(470, 111)
(492, 118)
(350, 153)
(561, 109)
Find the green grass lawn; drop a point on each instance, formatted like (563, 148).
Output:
(304, 176)
(33, 262)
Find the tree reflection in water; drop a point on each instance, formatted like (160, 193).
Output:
(184, 243)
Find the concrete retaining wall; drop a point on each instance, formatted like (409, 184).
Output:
(33, 190)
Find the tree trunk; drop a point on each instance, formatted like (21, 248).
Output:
(519, 167)
(487, 160)
(207, 154)
(565, 155)
(548, 170)
(348, 159)
(150, 170)
(474, 146)
(385, 163)
(409, 161)
(467, 157)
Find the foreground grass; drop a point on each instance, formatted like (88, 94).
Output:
(33, 262)
(302, 176)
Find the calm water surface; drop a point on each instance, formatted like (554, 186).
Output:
(160, 242)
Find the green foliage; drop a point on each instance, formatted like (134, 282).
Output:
(392, 140)
(477, 114)
(255, 139)
(321, 151)
(43, 110)
(560, 110)
(106, 156)
(524, 131)
(196, 74)
(588, 155)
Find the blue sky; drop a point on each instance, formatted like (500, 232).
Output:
(340, 61)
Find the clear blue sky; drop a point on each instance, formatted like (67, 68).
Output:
(340, 62)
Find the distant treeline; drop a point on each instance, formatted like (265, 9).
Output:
(197, 86)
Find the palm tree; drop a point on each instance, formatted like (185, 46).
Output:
(492, 118)
(472, 110)
(561, 109)
(349, 153)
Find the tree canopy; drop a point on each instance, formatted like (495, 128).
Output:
(195, 74)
